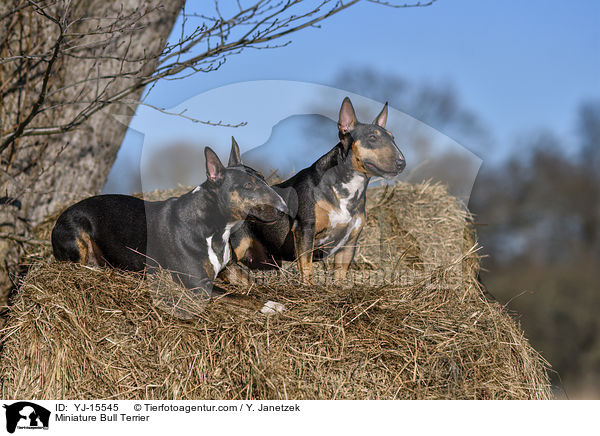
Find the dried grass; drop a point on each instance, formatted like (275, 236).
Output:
(412, 323)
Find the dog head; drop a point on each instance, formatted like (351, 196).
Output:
(242, 190)
(372, 147)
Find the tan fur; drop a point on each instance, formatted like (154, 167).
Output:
(83, 251)
(342, 260)
(357, 157)
(89, 252)
(250, 248)
(360, 154)
(242, 247)
(237, 204)
(235, 275)
(305, 261)
(322, 209)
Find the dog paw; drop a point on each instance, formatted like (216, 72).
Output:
(272, 307)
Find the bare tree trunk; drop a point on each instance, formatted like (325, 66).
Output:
(67, 166)
(67, 66)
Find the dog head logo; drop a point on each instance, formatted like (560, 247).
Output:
(24, 414)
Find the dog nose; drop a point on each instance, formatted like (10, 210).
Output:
(400, 164)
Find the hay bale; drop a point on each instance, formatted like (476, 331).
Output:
(75, 332)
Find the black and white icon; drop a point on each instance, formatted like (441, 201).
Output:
(26, 415)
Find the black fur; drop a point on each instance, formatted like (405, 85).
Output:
(338, 180)
(133, 234)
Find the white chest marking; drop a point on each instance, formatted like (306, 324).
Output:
(213, 257)
(339, 216)
(342, 215)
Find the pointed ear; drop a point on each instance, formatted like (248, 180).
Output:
(214, 167)
(347, 119)
(381, 119)
(234, 157)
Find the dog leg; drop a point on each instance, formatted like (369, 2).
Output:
(235, 274)
(303, 242)
(342, 260)
(345, 255)
(252, 303)
(89, 252)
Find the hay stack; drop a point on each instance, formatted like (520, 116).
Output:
(424, 331)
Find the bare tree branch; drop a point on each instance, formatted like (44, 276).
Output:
(35, 108)
(265, 20)
(54, 140)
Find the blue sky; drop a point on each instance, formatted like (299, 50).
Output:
(519, 66)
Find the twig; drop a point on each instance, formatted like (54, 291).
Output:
(24, 239)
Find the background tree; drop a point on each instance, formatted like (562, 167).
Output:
(67, 66)
(540, 214)
(63, 64)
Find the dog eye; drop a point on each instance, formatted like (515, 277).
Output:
(248, 186)
(372, 138)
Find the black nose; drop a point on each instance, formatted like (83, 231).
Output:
(400, 164)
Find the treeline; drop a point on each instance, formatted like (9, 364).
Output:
(538, 215)
(540, 225)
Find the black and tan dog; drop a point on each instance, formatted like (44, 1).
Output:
(188, 235)
(326, 201)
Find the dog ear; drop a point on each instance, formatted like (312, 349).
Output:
(234, 157)
(347, 119)
(214, 167)
(381, 119)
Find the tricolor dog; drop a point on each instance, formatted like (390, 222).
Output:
(188, 235)
(326, 201)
